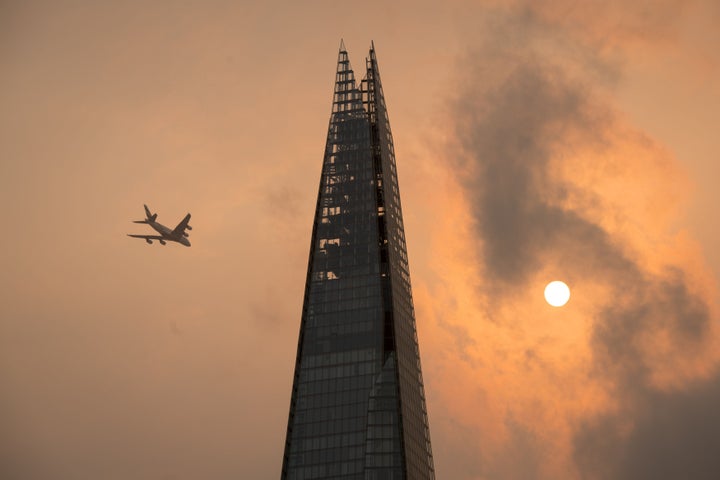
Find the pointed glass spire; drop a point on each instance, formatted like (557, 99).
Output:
(347, 98)
(357, 409)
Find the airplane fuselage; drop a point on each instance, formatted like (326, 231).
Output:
(168, 233)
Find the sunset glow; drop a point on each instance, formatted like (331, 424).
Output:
(533, 140)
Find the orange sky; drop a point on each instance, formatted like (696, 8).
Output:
(533, 143)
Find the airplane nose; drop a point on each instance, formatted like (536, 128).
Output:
(187, 242)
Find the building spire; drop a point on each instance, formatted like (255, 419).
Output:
(357, 406)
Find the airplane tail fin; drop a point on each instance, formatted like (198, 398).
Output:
(150, 216)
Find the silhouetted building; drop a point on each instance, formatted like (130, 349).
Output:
(358, 403)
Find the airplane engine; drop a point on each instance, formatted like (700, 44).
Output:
(189, 227)
(186, 234)
(162, 242)
(149, 241)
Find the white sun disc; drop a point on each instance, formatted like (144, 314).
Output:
(557, 293)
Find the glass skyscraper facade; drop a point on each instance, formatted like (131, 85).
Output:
(358, 405)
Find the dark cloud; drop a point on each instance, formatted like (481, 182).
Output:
(672, 435)
(651, 305)
(518, 116)
(510, 132)
(655, 434)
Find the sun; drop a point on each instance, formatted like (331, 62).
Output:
(557, 293)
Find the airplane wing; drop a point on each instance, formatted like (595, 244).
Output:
(148, 237)
(180, 229)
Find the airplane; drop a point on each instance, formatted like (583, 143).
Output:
(177, 234)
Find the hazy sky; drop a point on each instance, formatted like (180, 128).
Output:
(573, 140)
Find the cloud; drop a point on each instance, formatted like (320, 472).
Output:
(674, 435)
(556, 180)
(511, 135)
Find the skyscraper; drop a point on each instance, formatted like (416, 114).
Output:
(358, 404)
